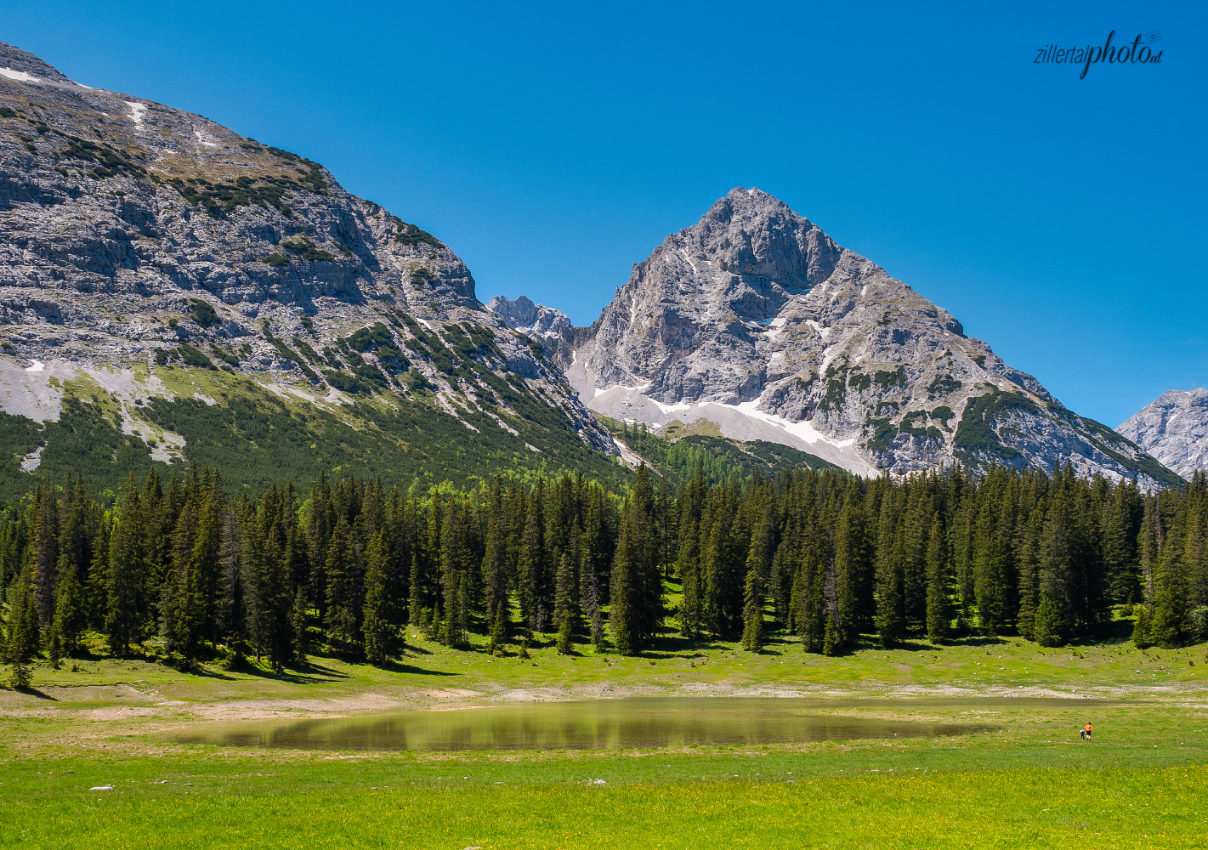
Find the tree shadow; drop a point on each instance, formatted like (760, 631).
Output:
(399, 667)
(34, 692)
(969, 640)
(207, 673)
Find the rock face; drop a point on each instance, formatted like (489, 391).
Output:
(756, 320)
(1174, 429)
(135, 237)
(544, 324)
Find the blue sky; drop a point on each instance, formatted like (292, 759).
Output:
(554, 146)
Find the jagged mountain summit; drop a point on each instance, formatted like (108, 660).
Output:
(756, 320)
(187, 289)
(1174, 429)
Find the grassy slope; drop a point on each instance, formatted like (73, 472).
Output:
(256, 438)
(1141, 783)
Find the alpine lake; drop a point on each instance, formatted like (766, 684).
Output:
(612, 724)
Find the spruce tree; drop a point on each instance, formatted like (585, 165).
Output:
(891, 615)
(126, 617)
(21, 636)
(852, 567)
(566, 612)
(532, 564)
(71, 611)
(44, 549)
(344, 589)
(624, 619)
(1055, 571)
(939, 612)
(299, 621)
(752, 612)
(380, 629)
(495, 571)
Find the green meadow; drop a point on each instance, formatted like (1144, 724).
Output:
(1029, 782)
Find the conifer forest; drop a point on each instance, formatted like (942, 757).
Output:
(832, 559)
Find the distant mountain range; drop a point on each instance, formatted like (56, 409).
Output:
(172, 292)
(1174, 429)
(755, 320)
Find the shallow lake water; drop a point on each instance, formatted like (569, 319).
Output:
(589, 724)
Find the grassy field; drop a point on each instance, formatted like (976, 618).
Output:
(1141, 783)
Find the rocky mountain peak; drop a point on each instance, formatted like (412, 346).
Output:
(544, 324)
(1174, 429)
(756, 320)
(749, 232)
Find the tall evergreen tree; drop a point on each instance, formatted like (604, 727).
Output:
(126, 618)
(939, 611)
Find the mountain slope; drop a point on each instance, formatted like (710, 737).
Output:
(1174, 429)
(177, 291)
(756, 320)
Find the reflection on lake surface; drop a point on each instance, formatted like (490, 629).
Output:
(594, 724)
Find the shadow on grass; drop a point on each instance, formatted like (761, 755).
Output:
(399, 667)
(34, 692)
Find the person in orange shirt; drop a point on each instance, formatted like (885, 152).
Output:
(1085, 732)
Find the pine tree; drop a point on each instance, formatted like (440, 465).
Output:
(344, 589)
(1142, 628)
(1055, 626)
(71, 611)
(939, 612)
(495, 572)
(300, 624)
(380, 626)
(891, 615)
(992, 553)
(454, 555)
(532, 564)
(1048, 624)
(852, 567)
(624, 619)
(752, 613)
(44, 549)
(126, 618)
(566, 611)
(595, 562)
(21, 637)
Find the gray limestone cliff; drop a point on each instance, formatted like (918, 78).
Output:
(135, 237)
(1174, 429)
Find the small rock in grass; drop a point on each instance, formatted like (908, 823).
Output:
(101, 788)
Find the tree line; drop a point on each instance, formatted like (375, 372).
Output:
(828, 557)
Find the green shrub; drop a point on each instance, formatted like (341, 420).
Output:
(307, 250)
(204, 313)
(895, 378)
(371, 338)
(942, 414)
(109, 161)
(942, 385)
(409, 234)
(191, 356)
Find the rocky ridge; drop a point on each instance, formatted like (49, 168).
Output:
(137, 238)
(1174, 429)
(756, 320)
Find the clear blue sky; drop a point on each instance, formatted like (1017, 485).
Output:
(552, 147)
